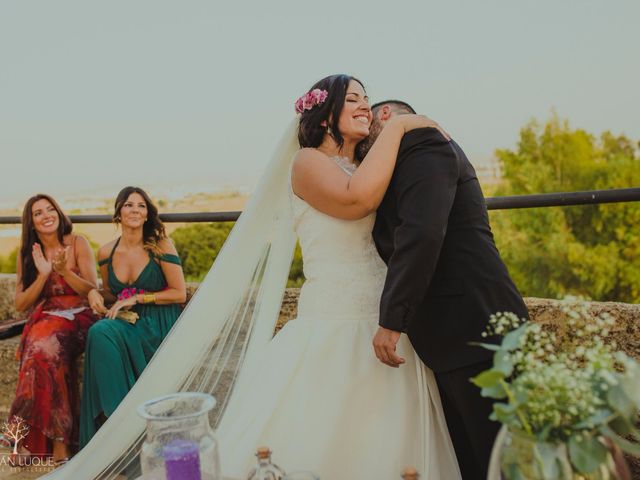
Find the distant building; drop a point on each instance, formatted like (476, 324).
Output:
(489, 172)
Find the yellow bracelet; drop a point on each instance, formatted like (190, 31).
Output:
(149, 298)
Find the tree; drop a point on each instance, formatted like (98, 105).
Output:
(586, 250)
(296, 274)
(198, 247)
(8, 263)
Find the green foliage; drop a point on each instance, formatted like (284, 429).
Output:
(296, 275)
(592, 251)
(94, 246)
(198, 246)
(8, 263)
(567, 389)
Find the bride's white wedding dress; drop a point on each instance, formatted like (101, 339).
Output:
(317, 395)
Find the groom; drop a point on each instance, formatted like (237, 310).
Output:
(445, 278)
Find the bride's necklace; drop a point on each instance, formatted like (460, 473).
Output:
(345, 163)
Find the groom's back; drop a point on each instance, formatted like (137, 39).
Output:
(470, 280)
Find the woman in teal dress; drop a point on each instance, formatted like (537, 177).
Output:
(142, 276)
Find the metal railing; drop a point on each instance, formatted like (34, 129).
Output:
(560, 199)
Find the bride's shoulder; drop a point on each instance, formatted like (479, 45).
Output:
(309, 159)
(308, 164)
(305, 155)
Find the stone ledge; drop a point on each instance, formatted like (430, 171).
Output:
(8, 311)
(626, 331)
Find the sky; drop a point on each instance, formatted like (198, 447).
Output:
(193, 95)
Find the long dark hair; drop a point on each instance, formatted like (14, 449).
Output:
(311, 132)
(153, 229)
(30, 236)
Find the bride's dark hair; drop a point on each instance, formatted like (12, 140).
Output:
(310, 131)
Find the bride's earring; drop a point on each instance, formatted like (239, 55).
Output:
(329, 130)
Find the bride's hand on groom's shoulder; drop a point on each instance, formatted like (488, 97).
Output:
(384, 345)
(412, 121)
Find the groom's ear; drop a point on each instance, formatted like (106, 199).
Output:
(384, 113)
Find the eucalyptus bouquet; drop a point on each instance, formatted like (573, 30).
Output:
(566, 388)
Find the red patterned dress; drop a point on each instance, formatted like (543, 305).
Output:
(47, 396)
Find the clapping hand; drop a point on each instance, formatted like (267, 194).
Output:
(60, 261)
(42, 263)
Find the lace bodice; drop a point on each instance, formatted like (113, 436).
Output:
(344, 273)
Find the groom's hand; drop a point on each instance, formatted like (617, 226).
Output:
(384, 344)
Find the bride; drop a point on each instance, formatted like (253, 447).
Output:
(317, 395)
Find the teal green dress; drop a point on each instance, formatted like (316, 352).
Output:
(117, 352)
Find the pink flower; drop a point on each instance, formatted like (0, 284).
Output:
(319, 95)
(308, 101)
(311, 99)
(129, 292)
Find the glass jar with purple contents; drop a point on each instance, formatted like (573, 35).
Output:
(179, 444)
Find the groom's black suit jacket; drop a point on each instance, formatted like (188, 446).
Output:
(445, 275)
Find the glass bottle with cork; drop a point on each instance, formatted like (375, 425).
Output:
(265, 469)
(410, 473)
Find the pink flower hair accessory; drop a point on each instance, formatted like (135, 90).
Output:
(311, 99)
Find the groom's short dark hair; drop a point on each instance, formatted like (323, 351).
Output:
(397, 106)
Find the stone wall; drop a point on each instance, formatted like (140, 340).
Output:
(626, 332)
(8, 373)
(7, 293)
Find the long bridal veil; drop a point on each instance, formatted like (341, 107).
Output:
(226, 324)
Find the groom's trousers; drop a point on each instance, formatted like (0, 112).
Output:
(467, 414)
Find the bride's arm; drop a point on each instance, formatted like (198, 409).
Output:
(326, 187)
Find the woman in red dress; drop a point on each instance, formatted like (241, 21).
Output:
(56, 269)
